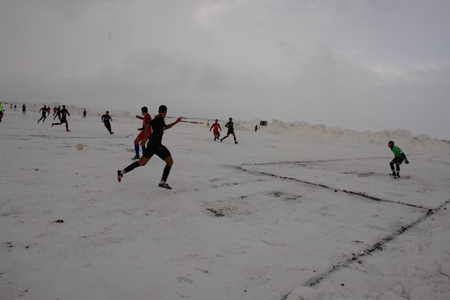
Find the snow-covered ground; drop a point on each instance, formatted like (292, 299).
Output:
(288, 213)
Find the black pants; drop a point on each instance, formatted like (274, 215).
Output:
(108, 126)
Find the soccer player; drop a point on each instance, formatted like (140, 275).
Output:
(155, 146)
(146, 130)
(230, 127)
(84, 113)
(216, 127)
(24, 109)
(398, 159)
(63, 113)
(2, 109)
(58, 113)
(105, 119)
(44, 114)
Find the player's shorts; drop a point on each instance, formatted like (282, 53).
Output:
(141, 135)
(398, 160)
(161, 151)
(63, 120)
(230, 132)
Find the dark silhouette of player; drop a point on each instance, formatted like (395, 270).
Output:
(106, 118)
(63, 113)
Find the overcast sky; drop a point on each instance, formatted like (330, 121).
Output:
(357, 64)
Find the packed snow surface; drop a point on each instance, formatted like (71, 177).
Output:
(293, 211)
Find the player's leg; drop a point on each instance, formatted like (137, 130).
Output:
(165, 155)
(137, 140)
(234, 136)
(392, 164)
(145, 158)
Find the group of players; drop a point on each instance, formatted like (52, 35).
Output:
(151, 133)
(59, 113)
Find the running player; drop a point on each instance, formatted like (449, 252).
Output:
(155, 146)
(2, 109)
(63, 112)
(216, 127)
(398, 159)
(44, 114)
(146, 130)
(58, 113)
(230, 127)
(105, 119)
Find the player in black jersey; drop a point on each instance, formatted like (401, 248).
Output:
(155, 146)
(230, 127)
(105, 119)
(44, 114)
(63, 113)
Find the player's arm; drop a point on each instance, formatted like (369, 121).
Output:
(404, 157)
(174, 123)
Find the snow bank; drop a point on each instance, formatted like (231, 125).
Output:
(401, 137)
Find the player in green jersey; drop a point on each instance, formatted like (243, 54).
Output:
(398, 159)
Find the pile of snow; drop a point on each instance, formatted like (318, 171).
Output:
(401, 137)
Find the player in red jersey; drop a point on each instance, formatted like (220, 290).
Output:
(146, 130)
(216, 127)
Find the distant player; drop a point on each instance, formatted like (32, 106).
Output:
(44, 114)
(63, 113)
(230, 127)
(216, 127)
(106, 118)
(58, 113)
(2, 109)
(84, 113)
(24, 109)
(398, 159)
(146, 130)
(155, 146)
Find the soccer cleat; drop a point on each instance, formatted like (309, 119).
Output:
(119, 175)
(164, 185)
(135, 157)
(236, 142)
(67, 130)
(53, 124)
(398, 174)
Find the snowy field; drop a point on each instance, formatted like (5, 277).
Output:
(275, 217)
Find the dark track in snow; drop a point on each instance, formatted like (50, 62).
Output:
(355, 257)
